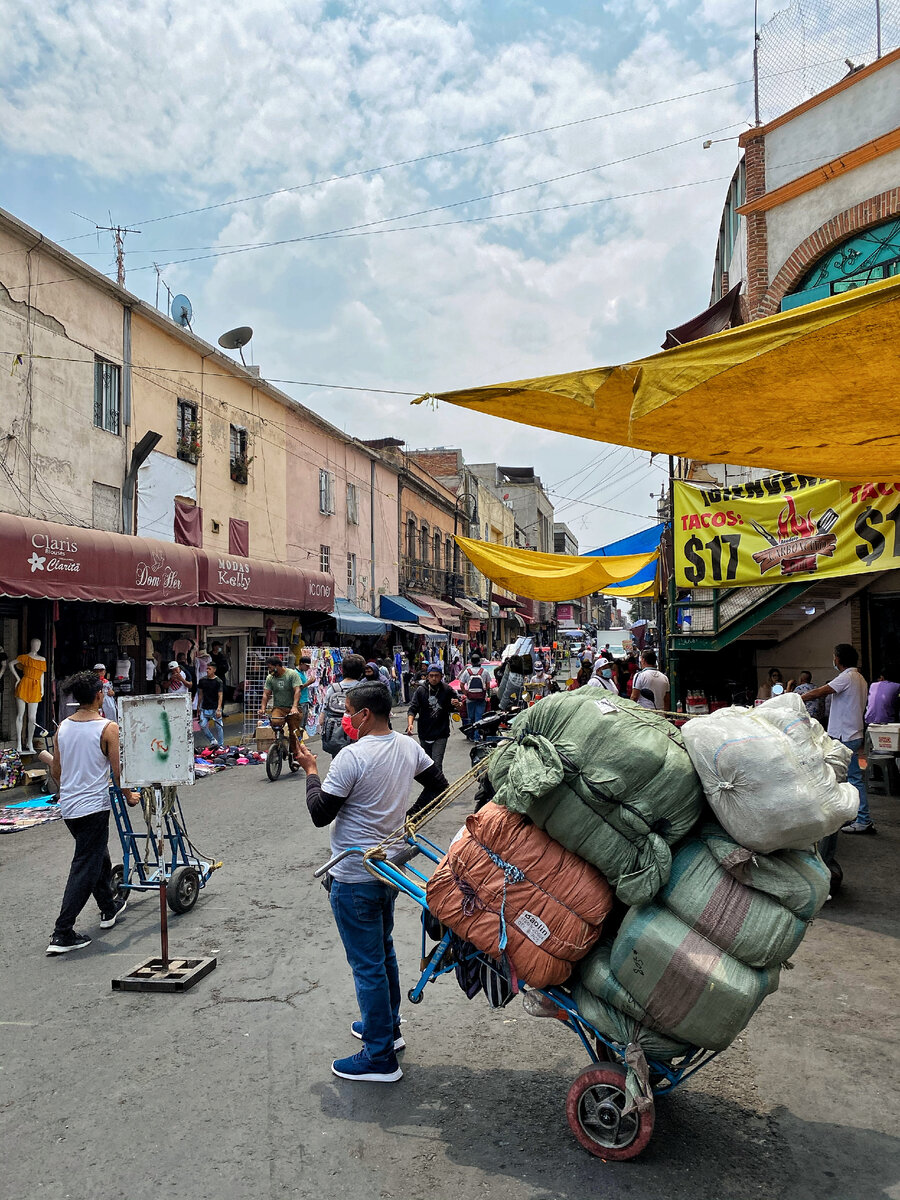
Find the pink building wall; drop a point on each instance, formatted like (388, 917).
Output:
(311, 445)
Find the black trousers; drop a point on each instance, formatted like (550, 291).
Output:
(91, 869)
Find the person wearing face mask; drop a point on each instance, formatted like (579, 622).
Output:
(432, 703)
(602, 675)
(366, 796)
(650, 687)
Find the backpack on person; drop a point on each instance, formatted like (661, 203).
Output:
(476, 688)
(333, 736)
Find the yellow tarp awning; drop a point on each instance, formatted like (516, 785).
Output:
(650, 589)
(549, 576)
(815, 390)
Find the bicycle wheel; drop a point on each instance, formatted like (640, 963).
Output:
(274, 761)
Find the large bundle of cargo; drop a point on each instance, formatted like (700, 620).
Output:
(607, 779)
(696, 964)
(765, 775)
(506, 887)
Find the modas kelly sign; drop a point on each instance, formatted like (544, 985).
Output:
(784, 529)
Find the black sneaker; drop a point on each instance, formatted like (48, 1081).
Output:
(107, 920)
(62, 943)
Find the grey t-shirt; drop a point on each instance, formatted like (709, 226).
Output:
(376, 776)
(848, 706)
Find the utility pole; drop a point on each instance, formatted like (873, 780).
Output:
(118, 232)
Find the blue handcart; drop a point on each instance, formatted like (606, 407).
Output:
(605, 1120)
(149, 859)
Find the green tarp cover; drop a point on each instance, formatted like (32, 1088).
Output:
(607, 779)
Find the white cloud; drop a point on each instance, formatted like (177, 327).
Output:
(196, 103)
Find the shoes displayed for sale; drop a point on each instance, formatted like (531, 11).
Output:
(62, 943)
(859, 827)
(399, 1043)
(107, 920)
(362, 1068)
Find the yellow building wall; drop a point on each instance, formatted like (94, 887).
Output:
(165, 368)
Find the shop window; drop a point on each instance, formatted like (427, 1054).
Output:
(352, 504)
(107, 381)
(240, 461)
(411, 538)
(187, 431)
(351, 576)
(325, 559)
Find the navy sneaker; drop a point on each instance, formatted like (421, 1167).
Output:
(399, 1043)
(62, 943)
(107, 920)
(859, 827)
(360, 1066)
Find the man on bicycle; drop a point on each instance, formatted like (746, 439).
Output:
(283, 686)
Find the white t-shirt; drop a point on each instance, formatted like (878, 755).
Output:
(848, 705)
(376, 775)
(656, 682)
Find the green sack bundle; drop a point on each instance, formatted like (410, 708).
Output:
(605, 778)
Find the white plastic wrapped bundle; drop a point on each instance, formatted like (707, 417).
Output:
(765, 774)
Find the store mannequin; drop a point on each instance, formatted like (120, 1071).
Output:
(28, 670)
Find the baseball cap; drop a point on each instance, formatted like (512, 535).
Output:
(99, 667)
(173, 663)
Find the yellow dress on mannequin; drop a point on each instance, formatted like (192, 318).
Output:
(29, 686)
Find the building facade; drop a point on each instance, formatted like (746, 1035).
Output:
(813, 210)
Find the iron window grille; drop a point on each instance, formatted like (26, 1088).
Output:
(107, 390)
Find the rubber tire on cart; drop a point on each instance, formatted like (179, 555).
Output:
(118, 882)
(182, 889)
(413, 999)
(594, 1109)
(274, 761)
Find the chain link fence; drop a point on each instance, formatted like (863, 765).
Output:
(804, 48)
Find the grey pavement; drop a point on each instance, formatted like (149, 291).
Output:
(225, 1092)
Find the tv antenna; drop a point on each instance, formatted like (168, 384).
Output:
(236, 339)
(182, 311)
(118, 232)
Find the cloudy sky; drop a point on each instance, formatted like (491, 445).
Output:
(409, 255)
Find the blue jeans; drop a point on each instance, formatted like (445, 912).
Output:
(856, 777)
(364, 915)
(205, 716)
(474, 712)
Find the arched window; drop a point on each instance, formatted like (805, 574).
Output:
(864, 258)
(448, 555)
(411, 537)
(424, 543)
(437, 549)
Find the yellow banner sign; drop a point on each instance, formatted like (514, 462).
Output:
(784, 529)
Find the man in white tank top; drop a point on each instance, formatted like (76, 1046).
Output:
(87, 750)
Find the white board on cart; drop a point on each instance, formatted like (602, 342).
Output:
(157, 740)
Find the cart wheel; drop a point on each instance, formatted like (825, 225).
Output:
(273, 761)
(594, 1107)
(182, 889)
(295, 766)
(413, 998)
(118, 882)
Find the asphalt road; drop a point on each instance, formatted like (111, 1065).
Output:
(225, 1092)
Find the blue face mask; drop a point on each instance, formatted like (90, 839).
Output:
(606, 673)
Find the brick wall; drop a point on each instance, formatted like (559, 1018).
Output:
(439, 463)
(757, 232)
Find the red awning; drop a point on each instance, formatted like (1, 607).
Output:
(46, 561)
(724, 314)
(446, 613)
(250, 583)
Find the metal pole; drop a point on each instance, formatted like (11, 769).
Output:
(878, 28)
(161, 855)
(756, 62)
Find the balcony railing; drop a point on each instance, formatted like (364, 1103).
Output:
(419, 576)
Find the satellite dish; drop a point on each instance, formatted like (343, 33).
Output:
(182, 311)
(236, 339)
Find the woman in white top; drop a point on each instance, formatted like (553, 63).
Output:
(87, 750)
(603, 676)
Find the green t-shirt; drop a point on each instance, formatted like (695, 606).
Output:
(282, 687)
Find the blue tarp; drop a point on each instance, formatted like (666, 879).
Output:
(398, 608)
(350, 619)
(644, 542)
